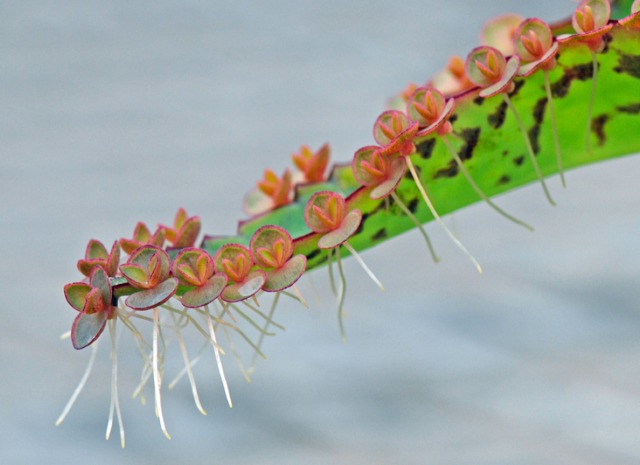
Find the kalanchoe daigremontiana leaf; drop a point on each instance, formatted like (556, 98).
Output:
(195, 268)
(234, 260)
(185, 230)
(148, 269)
(142, 236)
(96, 255)
(93, 301)
(272, 250)
(312, 165)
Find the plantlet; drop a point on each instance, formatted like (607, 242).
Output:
(446, 144)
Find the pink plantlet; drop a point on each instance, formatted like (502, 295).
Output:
(633, 20)
(453, 79)
(272, 192)
(93, 301)
(326, 214)
(534, 44)
(272, 250)
(394, 132)
(234, 260)
(184, 231)
(142, 236)
(194, 268)
(432, 110)
(499, 32)
(96, 255)
(383, 173)
(489, 70)
(591, 22)
(312, 165)
(148, 269)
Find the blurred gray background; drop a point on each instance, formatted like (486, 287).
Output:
(114, 112)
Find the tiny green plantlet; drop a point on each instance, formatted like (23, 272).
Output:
(503, 118)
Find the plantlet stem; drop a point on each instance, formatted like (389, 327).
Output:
(187, 365)
(475, 187)
(341, 295)
(81, 384)
(594, 60)
(413, 218)
(214, 343)
(332, 280)
(527, 142)
(437, 217)
(115, 403)
(157, 378)
(254, 360)
(554, 127)
(364, 266)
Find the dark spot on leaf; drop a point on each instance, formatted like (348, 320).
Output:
(518, 161)
(450, 171)
(606, 39)
(425, 148)
(379, 235)
(534, 138)
(496, 119)
(518, 85)
(632, 109)
(478, 101)
(471, 136)
(313, 254)
(538, 110)
(629, 64)
(505, 153)
(597, 126)
(413, 205)
(560, 88)
(504, 179)
(453, 118)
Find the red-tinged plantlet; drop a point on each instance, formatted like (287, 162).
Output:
(591, 23)
(148, 269)
(373, 198)
(272, 250)
(499, 32)
(312, 165)
(326, 214)
(534, 44)
(431, 110)
(382, 174)
(488, 69)
(272, 192)
(142, 236)
(96, 255)
(394, 131)
(453, 79)
(184, 231)
(93, 302)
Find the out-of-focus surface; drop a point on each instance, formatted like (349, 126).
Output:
(116, 112)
